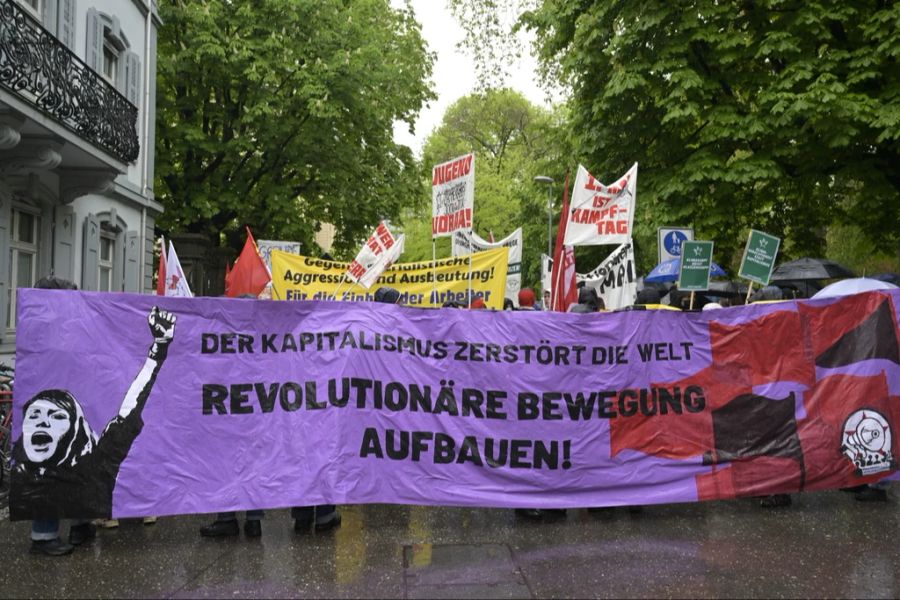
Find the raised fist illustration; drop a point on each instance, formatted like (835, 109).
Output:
(162, 325)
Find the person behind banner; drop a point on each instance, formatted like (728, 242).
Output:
(61, 468)
(323, 517)
(526, 299)
(771, 293)
(588, 296)
(45, 531)
(387, 295)
(526, 302)
(647, 296)
(226, 522)
(581, 308)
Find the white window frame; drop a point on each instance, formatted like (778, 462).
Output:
(107, 265)
(16, 247)
(109, 49)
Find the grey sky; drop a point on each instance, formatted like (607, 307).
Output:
(454, 75)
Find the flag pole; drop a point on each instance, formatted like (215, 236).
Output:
(556, 274)
(433, 270)
(161, 269)
(353, 285)
(552, 289)
(471, 249)
(338, 288)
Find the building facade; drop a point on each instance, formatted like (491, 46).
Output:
(77, 122)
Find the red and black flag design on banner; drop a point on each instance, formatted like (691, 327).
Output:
(852, 330)
(835, 430)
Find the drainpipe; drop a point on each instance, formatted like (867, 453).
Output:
(141, 238)
(145, 126)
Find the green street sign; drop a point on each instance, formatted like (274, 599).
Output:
(759, 257)
(696, 260)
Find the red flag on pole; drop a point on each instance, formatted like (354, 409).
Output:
(161, 270)
(250, 274)
(562, 278)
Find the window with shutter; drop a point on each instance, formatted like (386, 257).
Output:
(94, 50)
(90, 253)
(132, 77)
(65, 28)
(47, 12)
(4, 260)
(64, 243)
(35, 7)
(132, 262)
(23, 257)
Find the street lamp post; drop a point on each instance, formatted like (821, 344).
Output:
(549, 181)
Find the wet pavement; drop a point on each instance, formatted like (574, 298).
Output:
(826, 545)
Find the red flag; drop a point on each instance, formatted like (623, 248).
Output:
(161, 271)
(562, 280)
(249, 275)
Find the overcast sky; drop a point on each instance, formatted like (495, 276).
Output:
(454, 74)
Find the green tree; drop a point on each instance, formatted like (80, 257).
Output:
(279, 114)
(782, 115)
(513, 141)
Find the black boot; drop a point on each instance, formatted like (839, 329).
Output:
(79, 534)
(871, 494)
(54, 547)
(221, 529)
(776, 501)
(855, 488)
(253, 528)
(328, 522)
(303, 524)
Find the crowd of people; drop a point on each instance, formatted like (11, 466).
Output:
(45, 532)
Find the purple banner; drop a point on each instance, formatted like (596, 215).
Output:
(131, 405)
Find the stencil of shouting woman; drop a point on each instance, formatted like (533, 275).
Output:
(60, 467)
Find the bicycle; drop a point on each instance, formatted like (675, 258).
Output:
(7, 375)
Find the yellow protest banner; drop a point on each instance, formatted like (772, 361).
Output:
(428, 283)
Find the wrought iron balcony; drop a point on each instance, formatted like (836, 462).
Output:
(43, 72)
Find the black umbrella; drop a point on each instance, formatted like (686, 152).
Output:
(726, 289)
(889, 277)
(798, 288)
(810, 268)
